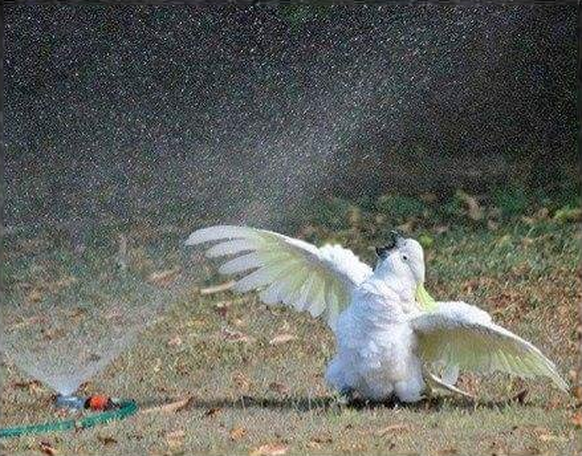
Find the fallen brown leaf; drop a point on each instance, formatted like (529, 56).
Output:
(241, 381)
(164, 278)
(281, 339)
(406, 227)
(47, 448)
(237, 433)
(175, 341)
(441, 229)
(222, 308)
(35, 295)
(236, 336)
(218, 288)
(270, 449)
(473, 208)
(175, 438)
(280, 388)
(429, 197)
(65, 282)
(577, 420)
(172, 407)
(106, 440)
(33, 386)
(239, 322)
(446, 451)
(552, 438)
(212, 412)
(314, 445)
(492, 225)
(317, 442)
(393, 429)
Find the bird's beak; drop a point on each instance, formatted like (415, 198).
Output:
(425, 300)
(393, 239)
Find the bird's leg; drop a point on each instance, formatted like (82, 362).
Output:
(342, 397)
(345, 396)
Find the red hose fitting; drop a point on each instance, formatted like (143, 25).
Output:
(99, 402)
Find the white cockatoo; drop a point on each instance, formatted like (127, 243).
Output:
(390, 333)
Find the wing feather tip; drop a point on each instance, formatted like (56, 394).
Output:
(216, 232)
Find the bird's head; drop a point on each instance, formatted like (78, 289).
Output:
(401, 261)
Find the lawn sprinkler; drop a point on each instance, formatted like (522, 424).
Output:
(96, 402)
(106, 409)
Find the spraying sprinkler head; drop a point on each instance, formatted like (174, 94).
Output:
(95, 402)
(69, 402)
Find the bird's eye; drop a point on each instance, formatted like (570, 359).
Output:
(404, 257)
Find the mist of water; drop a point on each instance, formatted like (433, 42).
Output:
(72, 308)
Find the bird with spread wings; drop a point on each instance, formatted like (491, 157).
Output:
(391, 335)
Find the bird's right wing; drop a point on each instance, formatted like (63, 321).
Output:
(458, 334)
(286, 270)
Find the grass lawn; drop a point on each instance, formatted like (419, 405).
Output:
(241, 377)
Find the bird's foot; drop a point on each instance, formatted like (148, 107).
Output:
(343, 398)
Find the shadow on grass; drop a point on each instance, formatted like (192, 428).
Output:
(327, 404)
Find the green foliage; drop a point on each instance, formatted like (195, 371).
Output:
(452, 209)
(426, 240)
(332, 213)
(512, 200)
(399, 208)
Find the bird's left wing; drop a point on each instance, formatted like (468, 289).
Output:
(287, 270)
(458, 334)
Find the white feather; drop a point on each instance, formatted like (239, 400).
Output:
(464, 336)
(287, 270)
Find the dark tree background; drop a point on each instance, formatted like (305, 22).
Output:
(135, 111)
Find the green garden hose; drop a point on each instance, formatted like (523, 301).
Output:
(125, 409)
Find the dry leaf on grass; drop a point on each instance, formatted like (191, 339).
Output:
(270, 449)
(237, 433)
(473, 208)
(47, 448)
(577, 420)
(313, 445)
(211, 412)
(241, 381)
(317, 442)
(429, 197)
(222, 308)
(172, 407)
(164, 278)
(282, 338)
(492, 225)
(280, 388)
(106, 440)
(35, 295)
(175, 438)
(33, 386)
(217, 288)
(175, 341)
(235, 336)
(393, 429)
(548, 437)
